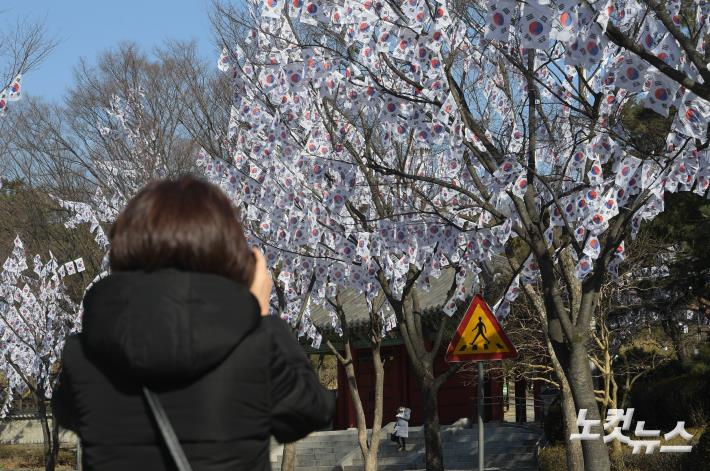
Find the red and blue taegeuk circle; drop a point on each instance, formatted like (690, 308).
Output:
(692, 115)
(632, 73)
(565, 18)
(535, 27)
(661, 94)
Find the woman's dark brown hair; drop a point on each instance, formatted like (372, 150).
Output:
(187, 224)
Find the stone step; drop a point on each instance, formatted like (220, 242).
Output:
(310, 468)
(391, 460)
(386, 467)
(508, 448)
(468, 468)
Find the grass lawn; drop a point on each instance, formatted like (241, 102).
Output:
(30, 457)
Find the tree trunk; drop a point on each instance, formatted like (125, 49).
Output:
(370, 462)
(288, 460)
(432, 435)
(359, 410)
(51, 448)
(371, 458)
(55, 440)
(368, 447)
(674, 332)
(681, 349)
(573, 450)
(596, 453)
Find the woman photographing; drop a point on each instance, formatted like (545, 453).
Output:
(181, 325)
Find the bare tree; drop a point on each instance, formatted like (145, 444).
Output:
(23, 47)
(369, 445)
(71, 148)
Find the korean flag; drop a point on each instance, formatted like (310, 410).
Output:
(535, 26)
(500, 15)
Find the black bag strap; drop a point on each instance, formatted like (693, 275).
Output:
(166, 430)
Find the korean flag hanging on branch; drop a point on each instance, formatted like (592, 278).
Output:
(668, 51)
(312, 11)
(595, 173)
(625, 177)
(584, 267)
(3, 102)
(441, 15)
(629, 72)
(535, 26)
(223, 63)
(564, 22)
(661, 93)
(692, 117)
(447, 109)
(594, 45)
(15, 89)
(417, 12)
(649, 32)
(500, 15)
(269, 77)
(294, 76)
(272, 8)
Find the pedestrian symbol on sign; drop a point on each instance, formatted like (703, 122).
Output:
(480, 332)
(479, 336)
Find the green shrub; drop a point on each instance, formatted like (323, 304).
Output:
(660, 401)
(699, 458)
(553, 423)
(552, 458)
(655, 462)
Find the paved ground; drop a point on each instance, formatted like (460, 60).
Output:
(508, 447)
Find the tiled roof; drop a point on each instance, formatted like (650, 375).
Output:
(431, 301)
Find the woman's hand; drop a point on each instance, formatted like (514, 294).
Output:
(262, 284)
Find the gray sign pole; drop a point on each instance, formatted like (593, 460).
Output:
(479, 397)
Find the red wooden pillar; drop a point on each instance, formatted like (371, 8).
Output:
(520, 400)
(402, 362)
(343, 400)
(345, 408)
(352, 420)
(537, 388)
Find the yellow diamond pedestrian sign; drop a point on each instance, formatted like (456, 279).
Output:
(479, 336)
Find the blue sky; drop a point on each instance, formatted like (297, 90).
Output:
(87, 27)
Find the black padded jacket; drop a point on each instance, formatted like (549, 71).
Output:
(228, 378)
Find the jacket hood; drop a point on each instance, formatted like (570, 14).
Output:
(167, 324)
